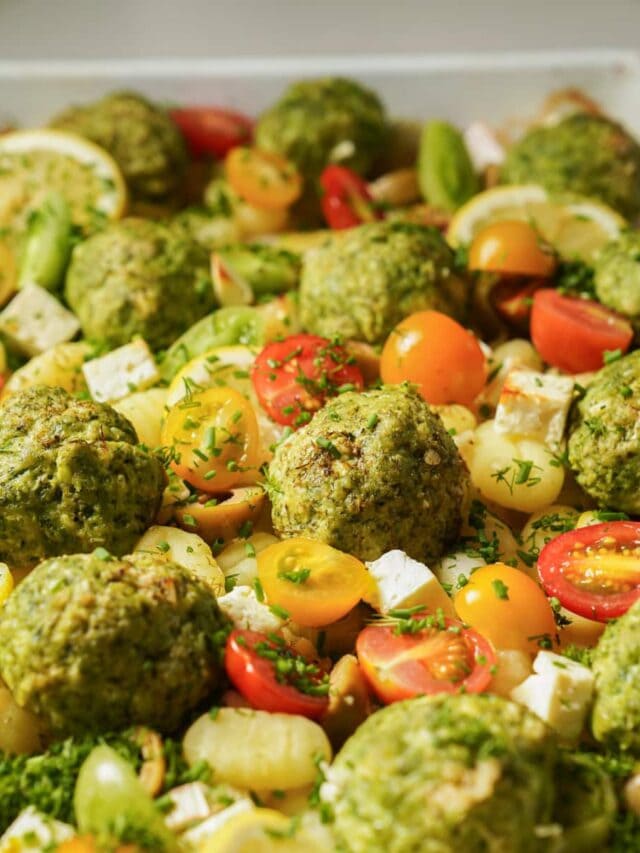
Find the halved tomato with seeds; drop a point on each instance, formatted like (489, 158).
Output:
(423, 655)
(294, 377)
(594, 571)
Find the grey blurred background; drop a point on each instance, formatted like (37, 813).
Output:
(43, 29)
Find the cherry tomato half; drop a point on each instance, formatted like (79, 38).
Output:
(315, 583)
(438, 355)
(574, 334)
(346, 200)
(263, 178)
(294, 377)
(272, 677)
(212, 131)
(594, 571)
(511, 247)
(508, 608)
(215, 438)
(444, 658)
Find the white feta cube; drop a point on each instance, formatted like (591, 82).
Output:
(400, 581)
(32, 832)
(535, 405)
(121, 372)
(34, 321)
(483, 146)
(559, 692)
(242, 607)
(194, 837)
(189, 805)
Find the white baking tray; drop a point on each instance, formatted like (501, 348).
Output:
(453, 86)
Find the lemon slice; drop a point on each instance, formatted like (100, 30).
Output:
(576, 227)
(228, 367)
(34, 162)
(261, 831)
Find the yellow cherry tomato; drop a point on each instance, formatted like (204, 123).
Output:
(512, 247)
(215, 439)
(507, 607)
(263, 178)
(315, 583)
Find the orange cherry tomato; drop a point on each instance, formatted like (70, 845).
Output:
(215, 439)
(512, 247)
(263, 178)
(434, 655)
(438, 355)
(315, 583)
(508, 607)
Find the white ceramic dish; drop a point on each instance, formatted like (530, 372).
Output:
(454, 86)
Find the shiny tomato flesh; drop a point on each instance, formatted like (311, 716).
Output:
(346, 200)
(594, 571)
(445, 658)
(263, 670)
(210, 131)
(574, 334)
(294, 377)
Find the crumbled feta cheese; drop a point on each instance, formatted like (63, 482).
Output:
(32, 832)
(559, 692)
(242, 607)
(399, 581)
(535, 405)
(190, 805)
(34, 321)
(121, 372)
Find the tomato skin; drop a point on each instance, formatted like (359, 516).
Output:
(315, 583)
(216, 440)
(589, 328)
(254, 677)
(262, 178)
(294, 377)
(573, 552)
(511, 247)
(395, 669)
(346, 200)
(210, 131)
(438, 355)
(506, 606)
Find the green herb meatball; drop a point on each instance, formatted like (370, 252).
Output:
(138, 278)
(584, 154)
(604, 440)
(318, 122)
(72, 478)
(616, 667)
(617, 275)
(364, 282)
(90, 642)
(443, 774)
(371, 472)
(141, 138)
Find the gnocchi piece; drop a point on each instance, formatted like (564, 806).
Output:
(579, 631)
(258, 750)
(453, 570)
(8, 274)
(484, 530)
(59, 366)
(546, 524)
(512, 668)
(145, 410)
(238, 560)
(188, 549)
(516, 473)
(457, 419)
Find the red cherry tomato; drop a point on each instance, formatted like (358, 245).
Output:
(594, 571)
(444, 658)
(574, 334)
(514, 297)
(211, 131)
(346, 201)
(271, 677)
(294, 377)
